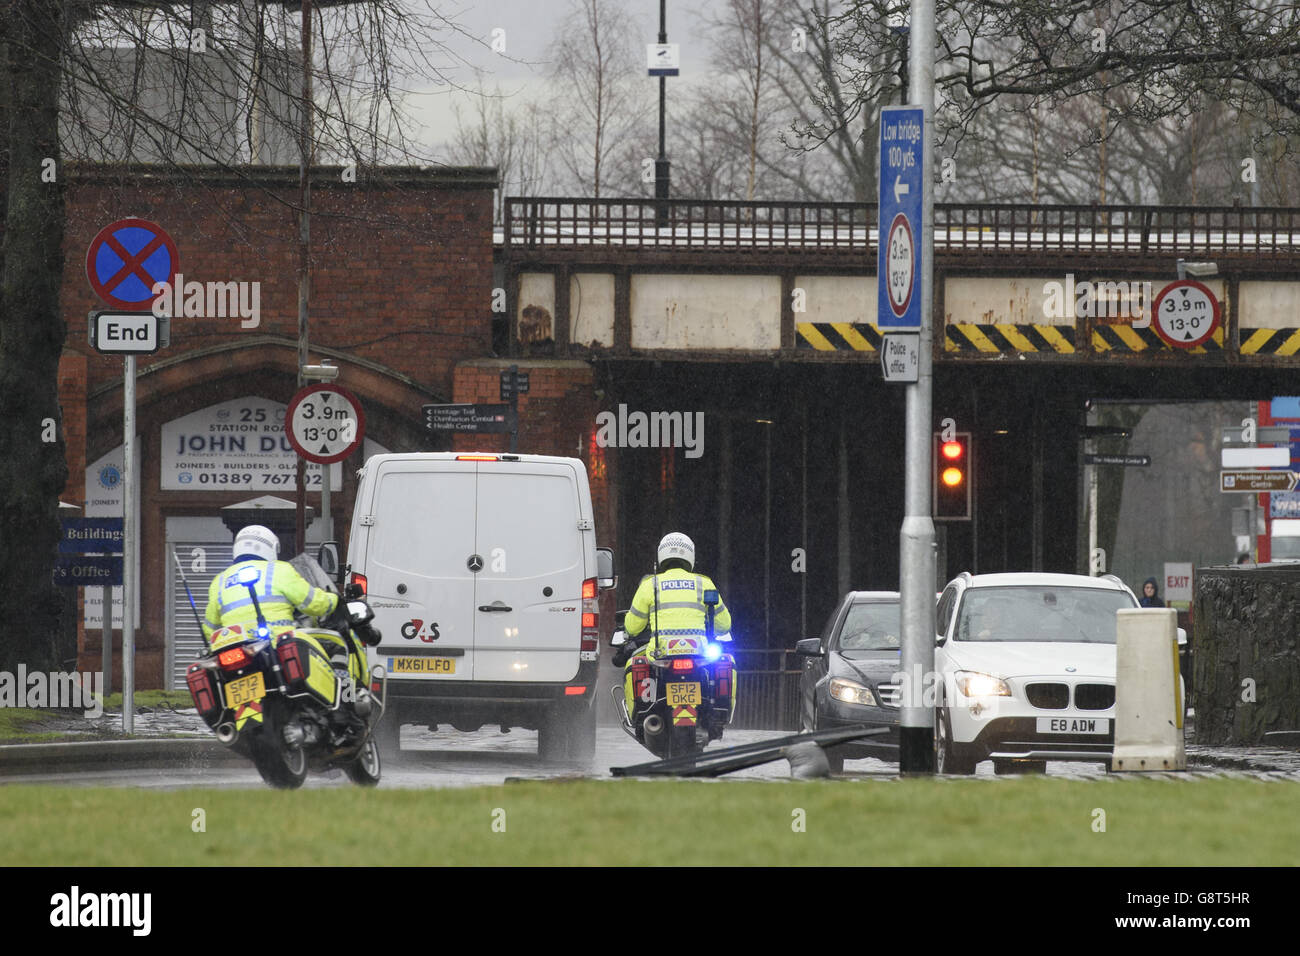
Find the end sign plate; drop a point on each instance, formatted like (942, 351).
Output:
(128, 333)
(898, 262)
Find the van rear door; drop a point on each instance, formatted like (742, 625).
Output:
(418, 566)
(528, 597)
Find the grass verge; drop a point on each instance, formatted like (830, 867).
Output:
(1031, 821)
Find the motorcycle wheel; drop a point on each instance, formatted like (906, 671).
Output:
(364, 771)
(682, 741)
(281, 766)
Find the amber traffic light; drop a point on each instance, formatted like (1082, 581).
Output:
(952, 478)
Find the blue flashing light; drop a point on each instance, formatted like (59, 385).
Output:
(712, 652)
(263, 632)
(249, 575)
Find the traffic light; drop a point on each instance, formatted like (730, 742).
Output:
(952, 477)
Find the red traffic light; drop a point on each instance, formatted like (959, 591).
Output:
(951, 496)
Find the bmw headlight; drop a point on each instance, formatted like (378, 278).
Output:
(851, 692)
(975, 684)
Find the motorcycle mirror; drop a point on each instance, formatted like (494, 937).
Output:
(327, 556)
(618, 639)
(711, 597)
(360, 610)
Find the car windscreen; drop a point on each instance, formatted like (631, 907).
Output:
(1064, 614)
(871, 627)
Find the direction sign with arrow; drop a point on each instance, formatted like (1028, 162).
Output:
(902, 181)
(1251, 481)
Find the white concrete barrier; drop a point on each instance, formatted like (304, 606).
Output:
(1148, 693)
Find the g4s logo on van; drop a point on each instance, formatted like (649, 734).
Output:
(417, 628)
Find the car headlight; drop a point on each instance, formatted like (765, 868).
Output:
(975, 684)
(851, 692)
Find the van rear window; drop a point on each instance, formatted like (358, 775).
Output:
(424, 522)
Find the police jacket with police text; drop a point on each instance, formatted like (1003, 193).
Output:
(681, 606)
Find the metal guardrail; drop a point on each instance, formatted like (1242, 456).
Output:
(768, 693)
(812, 227)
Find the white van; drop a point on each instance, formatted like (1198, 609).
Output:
(482, 570)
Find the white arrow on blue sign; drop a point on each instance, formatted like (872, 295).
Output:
(902, 181)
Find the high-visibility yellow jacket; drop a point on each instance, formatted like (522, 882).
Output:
(279, 590)
(681, 608)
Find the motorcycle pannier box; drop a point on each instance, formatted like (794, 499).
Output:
(306, 670)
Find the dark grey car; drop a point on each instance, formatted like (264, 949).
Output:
(848, 674)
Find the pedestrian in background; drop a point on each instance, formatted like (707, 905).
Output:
(1150, 596)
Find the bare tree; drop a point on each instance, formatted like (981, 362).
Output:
(170, 86)
(599, 98)
(504, 131)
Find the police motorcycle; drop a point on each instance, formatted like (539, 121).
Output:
(294, 699)
(684, 695)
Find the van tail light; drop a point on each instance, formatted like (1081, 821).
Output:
(360, 581)
(291, 661)
(590, 617)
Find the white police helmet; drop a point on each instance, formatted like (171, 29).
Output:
(258, 541)
(676, 545)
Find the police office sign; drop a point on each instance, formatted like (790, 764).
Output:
(238, 445)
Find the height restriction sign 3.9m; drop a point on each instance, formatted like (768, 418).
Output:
(898, 265)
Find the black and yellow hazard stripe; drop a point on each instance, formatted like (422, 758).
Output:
(837, 336)
(1125, 338)
(994, 338)
(1270, 342)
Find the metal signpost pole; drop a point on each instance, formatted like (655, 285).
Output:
(129, 507)
(107, 624)
(917, 584)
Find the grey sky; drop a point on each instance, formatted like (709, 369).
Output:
(529, 27)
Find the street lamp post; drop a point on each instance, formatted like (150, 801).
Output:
(662, 166)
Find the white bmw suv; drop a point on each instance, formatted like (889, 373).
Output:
(1026, 664)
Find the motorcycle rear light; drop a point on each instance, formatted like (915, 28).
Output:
(233, 658)
(291, 661)
(724, 689)
(575, 690)
(640, 672)
(683, 664)
(360, 581)
(376, 687)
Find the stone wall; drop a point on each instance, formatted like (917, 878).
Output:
(1247, 652)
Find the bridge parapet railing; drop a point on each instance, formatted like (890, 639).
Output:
(726, 226)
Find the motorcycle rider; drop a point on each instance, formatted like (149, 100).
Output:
(670, 603)
(280, 589)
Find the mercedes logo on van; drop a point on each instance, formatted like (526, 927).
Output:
(475, 562)
(1071, 670)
